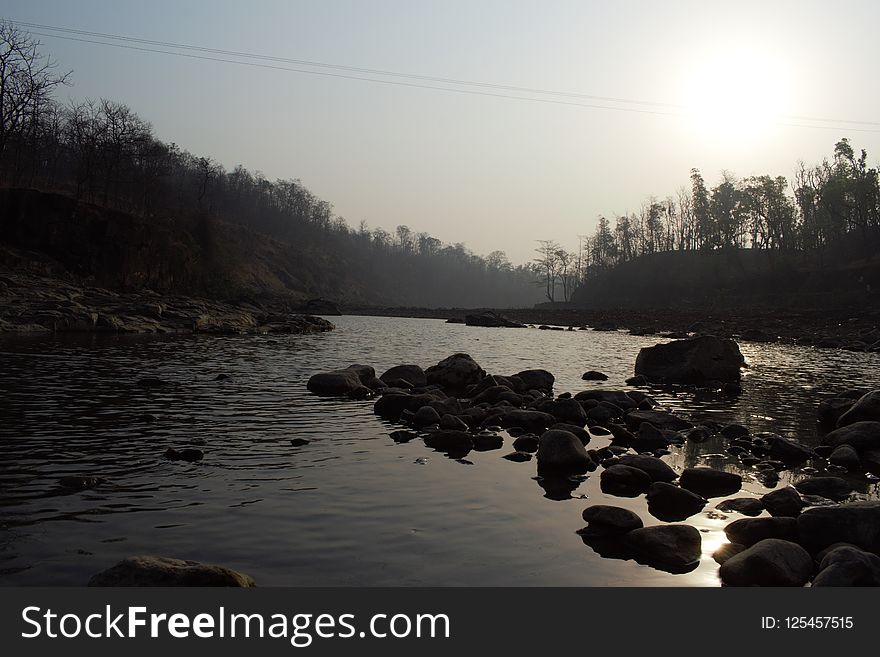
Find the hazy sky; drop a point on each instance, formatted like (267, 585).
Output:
(494, 173)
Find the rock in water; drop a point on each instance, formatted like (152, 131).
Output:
(624, 481)
(749, 531)
(671, 503)
(162, 571)
(562, 451)
(656, 469)
(866, 409)
(674, 548)
(771, 562)
(412, 374)
(748, 506)
(190, 454)
(593, 375)
(785, 502)
(456, 372)
(695, 360)
(857, 523)
(540, 380)
(492, 320)
(834, 488)
(354, 380)
(861, 436)
(709, 482)
(846, 565)
(604, 519)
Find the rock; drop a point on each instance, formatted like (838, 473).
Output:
(675, 548)
(786, 449)
(698, 434)
(532, 421)
(451, 442)
(846, 457)
(582, 434)
(624, 481)
(186, 454)
(298, 442)
(748, 531)
(426, 416)
(847, 565)
(593, 375)
(638, 380)
(455, 372)
(709, 482)
(861, 436)
(619, 398)
(486, 441)
(223, 377)
(866, 409)
(354, 380)
(834, 488)
(830, 410)
(770, 562)
(452, 422)
(80, 482)
(562, 451)
(785, 502)
(857, 523)
(455, 320)
(649, 438)
(734, 431)
(695, 360)
(518, 457)
(564, 410)
(656, 469)
(541, 380)
(526, 443)
(319, 307)
(491, 320)
(153, 382)
(727, 551)
(748, 506)
(604, 519)
(412, 374)
(671, 503)
(162, 571)
(660, 419)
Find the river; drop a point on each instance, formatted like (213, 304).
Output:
(352, 507)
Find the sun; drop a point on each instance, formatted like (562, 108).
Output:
(735, 96)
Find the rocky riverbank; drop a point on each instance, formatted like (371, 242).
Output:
(853, 329)
(34, 303)
(820, 530)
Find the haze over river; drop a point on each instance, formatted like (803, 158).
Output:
(352, 507)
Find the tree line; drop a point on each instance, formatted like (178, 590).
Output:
(824, 202)
(102, 152)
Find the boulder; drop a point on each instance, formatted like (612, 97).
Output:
(491, 320)
(564, 410)
(786, 449)
(604, 519)
(846, 457)
(354, 380)
(695, 360)
(748, 506)
(830, 410)
(656, 469)
(770, 562)
(452, 442)
(448, 421)
(671, 503)
(660, 419)
(412, 374)
(727, 551)
(540, 380)
(455, 372)
(834, 488)
(734, 431)
(846, 565)
(785, 502)
(162, 571)
(426, 416)
(861, 436)
(624, 481)
(593, 375)
(866, 409)
(518, 457)
(527, 443)
(532, 421)
(857, 523)
(562, 451)
(580, 432)
(748, 531)
(709, 482)
(649, 438)
(675, 548)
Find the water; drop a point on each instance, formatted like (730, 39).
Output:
(352, 507)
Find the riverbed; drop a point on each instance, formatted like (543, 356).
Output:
(352, 507)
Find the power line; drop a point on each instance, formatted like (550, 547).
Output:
(789, 120)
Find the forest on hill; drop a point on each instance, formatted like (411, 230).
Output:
(89, 184)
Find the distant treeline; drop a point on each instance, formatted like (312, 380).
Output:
(826, 202)
(101, 152)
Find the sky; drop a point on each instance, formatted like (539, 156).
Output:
(718, 86)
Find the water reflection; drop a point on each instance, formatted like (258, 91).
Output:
(363, 501)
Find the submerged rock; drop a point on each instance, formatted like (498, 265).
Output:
(190, 454)
(162, 571)
(748, 506)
